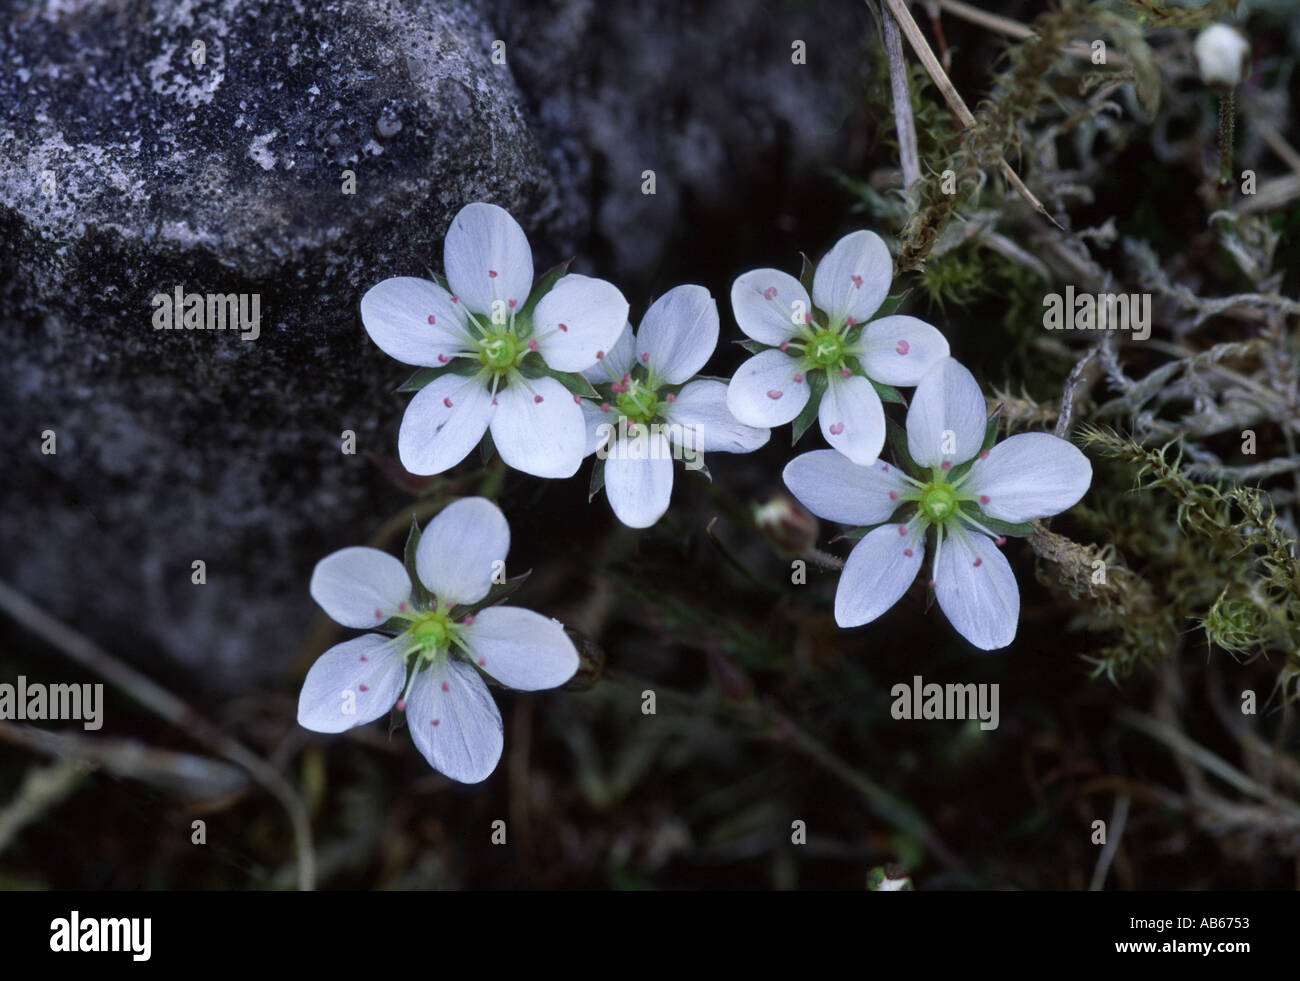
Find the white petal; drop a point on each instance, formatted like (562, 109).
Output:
(769, 305)
(616, 363)
(639, 477)
(360, 587)
(877, 572)
(601, 426)
(486, 257)
(576, 320)
(853, 279)
(461, 549)
(763, 391)
(977, 590)
(946, 420)
(1029, 475)
(678, 333)
(364, 675)
(414, 321)
(444, 421)
(852, 419)
(520, 648)
(454, 722)
(899, 350)
(707, 425)
(832, 486)
(539, 429)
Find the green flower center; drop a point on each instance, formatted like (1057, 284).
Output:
(938, 502)
(639, 403)
(500, 352)
(825, 348)
(432, 631)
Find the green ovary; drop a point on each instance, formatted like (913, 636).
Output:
(500, 352)
(825, 348)
(432, 633)
(639, 403)
(938, 502)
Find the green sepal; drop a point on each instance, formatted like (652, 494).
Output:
(887, 393)
(891, 304)
(1008, 528)
(496, 594)
(575, 383)
(817, 388)
(544, 284)
(754, 347)
(423, 598)
(597, 479)
(806, 271)
(456, 366)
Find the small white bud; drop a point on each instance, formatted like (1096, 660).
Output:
(1222, 55)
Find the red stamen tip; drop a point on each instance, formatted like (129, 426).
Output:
(431, 319)
(837, 428)
(846, 373)
(645, 358)
(907, 552)
(946, 465)
(903, 347)
(893, 495)
(363, 687)
(512, 304)
(902, 529)
(447, 402)
(492, 273)
(798, 376)
(532, 345)
(984, 454)
(577, 399)
(443, 359)
(670, 397)
(784, 345)
(774, 393)
(999, 542)
(401, 705)
(537, 399)
(402, 606)
(769, 293)
(978, 563)
(984, 498)
(446, 687)
(564, 328)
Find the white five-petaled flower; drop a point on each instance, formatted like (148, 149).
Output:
(829, 334)
(654, 412)
(505, 345)
(1026, 476)
(430, 667)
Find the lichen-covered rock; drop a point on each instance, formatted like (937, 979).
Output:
(126, 170)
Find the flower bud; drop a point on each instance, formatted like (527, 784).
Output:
(788, 528)
(1223, 56)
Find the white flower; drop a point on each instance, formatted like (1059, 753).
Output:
(509, 346)
(654, 413)
(1029, 475)
(827, 337)
(430, 667)
(1222, 55)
